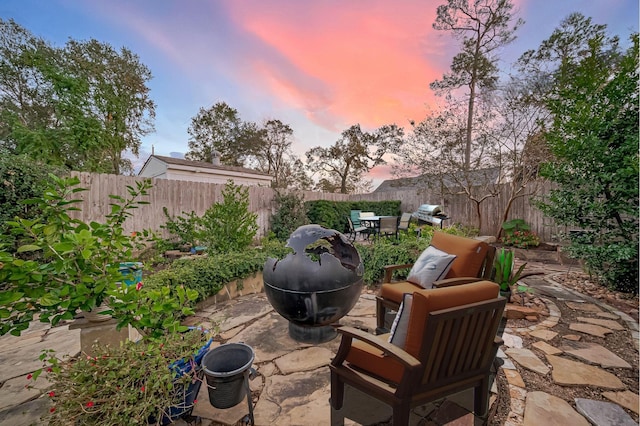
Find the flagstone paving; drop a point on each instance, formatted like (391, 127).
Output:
(292, 384)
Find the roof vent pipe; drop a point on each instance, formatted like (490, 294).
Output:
(215, 158)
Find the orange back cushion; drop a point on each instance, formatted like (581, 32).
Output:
(426, 301)
(469, 253)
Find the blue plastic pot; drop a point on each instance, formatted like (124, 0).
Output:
(131, 272)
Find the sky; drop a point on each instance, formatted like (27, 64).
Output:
(319, 66)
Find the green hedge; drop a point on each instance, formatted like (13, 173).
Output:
(208, 275)
(333, 214)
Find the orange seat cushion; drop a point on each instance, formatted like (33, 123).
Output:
(373, 360)
(470, 253)
(431, 300)
(395, 291)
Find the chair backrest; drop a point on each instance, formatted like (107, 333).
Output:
(405, 220)
(350, 222)
(388, 225)
(474, 258)
(355, 217)
(452, 330)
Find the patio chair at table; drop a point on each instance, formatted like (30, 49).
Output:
(405, 221)
(355, 217)
(388, 226)
(355, 230)
(370, 224)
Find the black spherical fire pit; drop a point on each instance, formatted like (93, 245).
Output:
(317, 284)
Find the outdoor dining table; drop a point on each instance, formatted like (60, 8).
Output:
(372, 223)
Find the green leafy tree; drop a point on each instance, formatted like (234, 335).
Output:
(79, 106)
(594, 138)
(342, 165)
(229, 225)
(484, 26)
(273, 155)
(117, 99)
(219, 131)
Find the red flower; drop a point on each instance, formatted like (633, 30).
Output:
(49, 370)
(142, 389)
(195, 401)
(139, 286)
(89, 404)
(52, 394)
(29, 376)
(52, 409)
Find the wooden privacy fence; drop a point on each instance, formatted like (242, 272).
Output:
(185, 196)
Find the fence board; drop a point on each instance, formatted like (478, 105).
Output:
(178, 196)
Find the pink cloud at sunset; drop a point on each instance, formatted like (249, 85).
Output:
(374, 64)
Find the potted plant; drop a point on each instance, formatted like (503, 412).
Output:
(505, 275)
(61, 265)
(148, 382)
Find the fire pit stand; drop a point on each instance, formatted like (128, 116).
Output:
(316, 284)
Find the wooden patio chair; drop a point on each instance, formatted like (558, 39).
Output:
(473, 262)
(449, 345)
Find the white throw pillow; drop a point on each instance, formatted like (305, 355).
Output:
(401, 322)
(432, 265)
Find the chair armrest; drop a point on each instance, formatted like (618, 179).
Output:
(389, 270)
(350, 333)
(448, 282)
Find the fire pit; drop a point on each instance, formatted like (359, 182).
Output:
(317, 284)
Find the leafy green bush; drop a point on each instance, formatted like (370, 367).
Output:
(229, 225)
(208, 275)
(386, 251)
(63, 265)
(186, 228)
(290, 214)
(21, 179)
(518, 233)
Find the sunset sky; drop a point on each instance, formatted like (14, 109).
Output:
(319, 66)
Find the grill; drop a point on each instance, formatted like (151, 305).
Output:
(430, 214)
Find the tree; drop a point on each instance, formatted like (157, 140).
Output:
(342, 165)
(436, 149)
(594, 138)
(79, 106)
(220, 130)
(274, 156)
(118, 98)
(517, 143)
(483, 26)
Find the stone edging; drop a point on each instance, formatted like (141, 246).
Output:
(517, 387)
(252, 284)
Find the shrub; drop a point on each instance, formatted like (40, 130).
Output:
(385, 251)
(208, 275)
(229, 225)
(290, 214)
(186, 228)
(518, 233)
(21, 179)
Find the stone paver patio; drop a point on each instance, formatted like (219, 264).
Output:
(292, 386)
